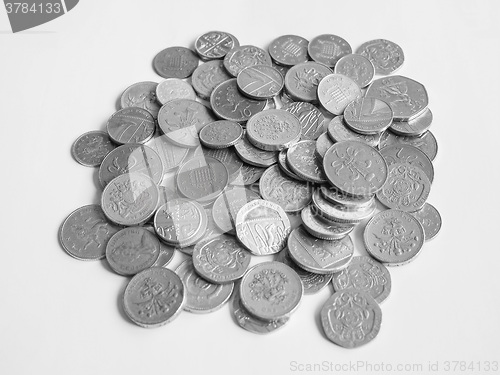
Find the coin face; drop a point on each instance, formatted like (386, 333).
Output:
(154, 297)
(228, 157)
(355, 168)
(302, 160)
(175, 62)
(132, 250)
(289, 50)
(327, 49)
(221, 134)
(131, 125)
(356, 67)
(301, 81)
(262, 227)
(430, 219)
(202, 296)
(351, 318)
(407, 188)
(425, 142)
(273, 129)
(406, 97)
(214, 45)
(91, 148)
(229, 104)
(364, 274)
(336, 91)
(220, 260)
(130, 199)
(415, 126)
(142, 95)
(174, 88)
(182, 119)
(368, 115)
(290, 194)
(238, 58)
(131, 158)
(248, 175)
(227, 206)
(260, 81)
(393, 237)
(311, 119)
(208, 76)
(271, 290)
(282, 157)
(321, 228)
(253, 155)
(317, 255)
(405, 153)
(171, 155)
(339, 132)
(340, 213)
(85, 233)
(386, 56)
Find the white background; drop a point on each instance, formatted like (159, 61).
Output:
(59, 80)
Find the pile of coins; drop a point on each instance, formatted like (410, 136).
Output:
(216, 159)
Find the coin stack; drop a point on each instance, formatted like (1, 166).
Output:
(214, 160)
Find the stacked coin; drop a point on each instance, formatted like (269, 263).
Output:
(261, 153)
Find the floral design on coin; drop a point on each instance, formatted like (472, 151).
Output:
(301, 81)
(241, 57)
(289, 50)
(302, 160)
(85, 233)
(356, 67)
(260, 81)
(367, 275)
(430, 219)
(351, 318)
(386, 56)
(214, 45)
(91, 148)
(208, 76)
(368, 115)
(339, 132)
(153, 297)
(328, 49)
(221, 134)
(405, 153)
(311, 119)
(175, 62)
(131, 125)
(426, 142)
(336, 91)
(142, 95)
(174, 88)
(262, 227)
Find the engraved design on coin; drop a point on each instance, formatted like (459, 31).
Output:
(336, 91)
(301, 81)
(214, 44)
(425, 142)
(356, 67)
(328, 49)
(174, 88)
(227, 206)
(248, 175)
(368, 115)
(131, 125)
(142, 95)
(430, 219)
(407, 154)
(91, 148)
(302, 160)
(171, 155)
(241, 57)
(208, 76)
(386, 56)
(289, 50)
(175, 62)
(269, 285)
(311, 119)
(260, 81)
(339, 132)
(221, 134)
(351, 318)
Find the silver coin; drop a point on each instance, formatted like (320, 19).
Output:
(284, 166)
(182, 119)
(228, 157)
(321, 228)
(131, 125)
(166, 252)
(142, 95)
(430, 219)
(368, 116)
(406, 97)
(214, 45)
(425, 142)
(301, 81)
(415, 126)
(174, 88)
(367, 275)
(227, 206)
(356, 67)
(338, 197)
(271, 290)
(323, 143)
(342, 214)
(302, 160)
(339, 132)
(311, 119)
(262, 227)
(202, 296)
(85, 233)
(289, 50)
(273, 130)
(405, 153)
(260, 81)
(247, 175)
(221, 134)
(91, 148)
(171, 155)
(229, 104)
(132, 250)
(154, 297)
(251, 323)
(317, 255)
(336, 91)
(312, 282)
(220, 260)
(253, 155)
(355, 168)
(290, 194)
(211, 232)
(175, 62)
(351, 318)
(393, 237)
(240, 57)
(386, 56)
(407, 188)
(328, 49)
(208, 76)
(132, 158)
(130, 199)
